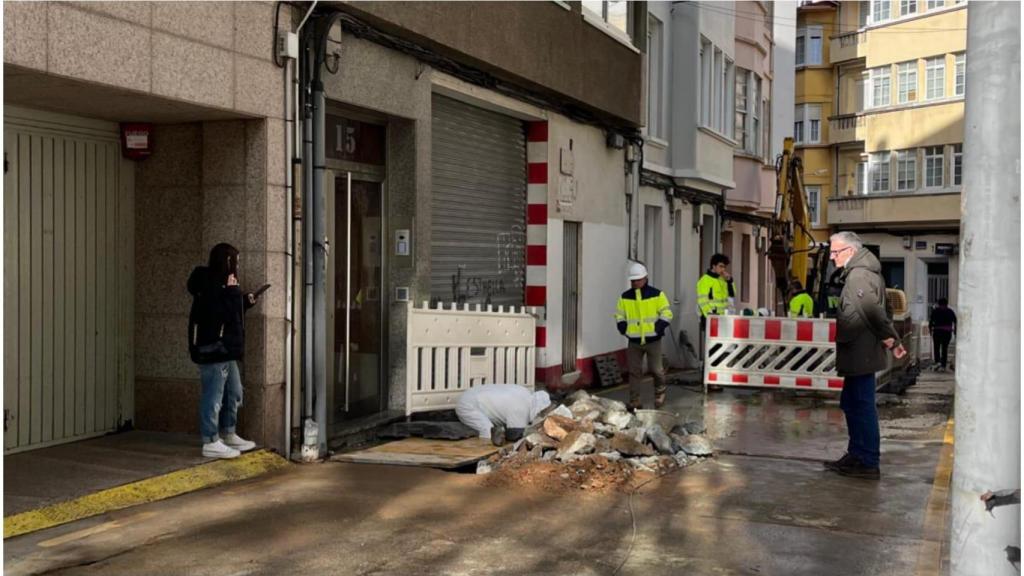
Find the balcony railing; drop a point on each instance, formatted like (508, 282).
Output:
(848, 46)
(915, 210)
(846, 128)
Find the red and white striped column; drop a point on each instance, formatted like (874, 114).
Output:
(537, 233)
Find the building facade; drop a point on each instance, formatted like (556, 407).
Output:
(477, 175)
(890, 77)
(751, 203)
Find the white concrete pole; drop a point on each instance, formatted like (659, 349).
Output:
(987, 414)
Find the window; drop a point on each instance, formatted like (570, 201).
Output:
(861, 183)
(908, 7)
(725, 119)
(907, 78)
(705, 82)
(879, 169)
(961, 74)
(613, 12)
(880, 89)
(766, 130)
(814, 204)
(958, 164)
(935, 77)
(718, 93)
(655, 116)
(933, 167)
(742, 134)
(936, 4)
(807, 127)
(906, 170)
(880, 11)
(716, 89)
(808, 46)
(755, 124)
(864, 13)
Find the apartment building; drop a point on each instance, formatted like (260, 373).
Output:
(889, 78)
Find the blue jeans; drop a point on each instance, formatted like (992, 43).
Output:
(220, 399)
(858, 403)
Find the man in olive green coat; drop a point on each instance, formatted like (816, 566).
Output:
(863, 335)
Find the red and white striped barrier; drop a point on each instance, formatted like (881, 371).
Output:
(771, 353)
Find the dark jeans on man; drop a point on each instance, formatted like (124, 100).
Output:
(635, 355)
(940, 342)
(858, 403)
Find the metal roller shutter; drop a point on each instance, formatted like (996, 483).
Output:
(68, 289)
(478, 231)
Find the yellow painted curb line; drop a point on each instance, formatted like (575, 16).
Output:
(148, 490)
(929, 556)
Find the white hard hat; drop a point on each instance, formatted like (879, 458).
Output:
(637, 271)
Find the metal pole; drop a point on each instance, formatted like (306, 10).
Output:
(987, 414)
(319, 350)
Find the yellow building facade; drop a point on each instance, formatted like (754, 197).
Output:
(884, 155)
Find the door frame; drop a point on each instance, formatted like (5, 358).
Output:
(365, 173)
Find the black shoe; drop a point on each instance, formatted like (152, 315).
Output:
(835, 464)
(854, 469)
(498, 435)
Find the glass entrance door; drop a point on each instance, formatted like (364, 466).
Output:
(358, 311)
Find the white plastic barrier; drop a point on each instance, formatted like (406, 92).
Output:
(451, 350)
(771, 353)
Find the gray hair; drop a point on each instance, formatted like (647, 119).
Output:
(848, 238)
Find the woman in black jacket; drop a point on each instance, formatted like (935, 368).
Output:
(216, 332)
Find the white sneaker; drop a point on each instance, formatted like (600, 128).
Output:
(219, 449)
(238, 443)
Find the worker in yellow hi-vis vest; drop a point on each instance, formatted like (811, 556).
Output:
(715, 296)
(801, 305)
(642, 315)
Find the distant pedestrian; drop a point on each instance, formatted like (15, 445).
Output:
(216, 342)
(642, 315)
(942, 326)
(863, 333)
(801, 305)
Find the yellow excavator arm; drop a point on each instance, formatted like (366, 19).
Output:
(791, 239)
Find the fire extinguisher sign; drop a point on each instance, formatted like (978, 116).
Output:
(136, 140)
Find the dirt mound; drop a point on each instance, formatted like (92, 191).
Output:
(593, 474)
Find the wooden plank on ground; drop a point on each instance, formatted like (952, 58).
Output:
(446, 454)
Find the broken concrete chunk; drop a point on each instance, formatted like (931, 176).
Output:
(602, 444)
(577, 396)
(696, 445)
(583, 407)
(548, 455)
(576, 442)
(638, 434)
(562, 411)
(660, 439)
(484, 467)
(536, 452)
(558, 426)
(639, 465)
(610, 404)
(540, 439)
(693, 427)
(617, 418)
(611, 456)
(681, 459)
(626, 445)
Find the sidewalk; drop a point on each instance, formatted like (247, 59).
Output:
(51, 486)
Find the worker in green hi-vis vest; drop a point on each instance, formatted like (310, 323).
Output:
(801, 305)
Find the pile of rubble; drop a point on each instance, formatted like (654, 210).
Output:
(594, 442)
